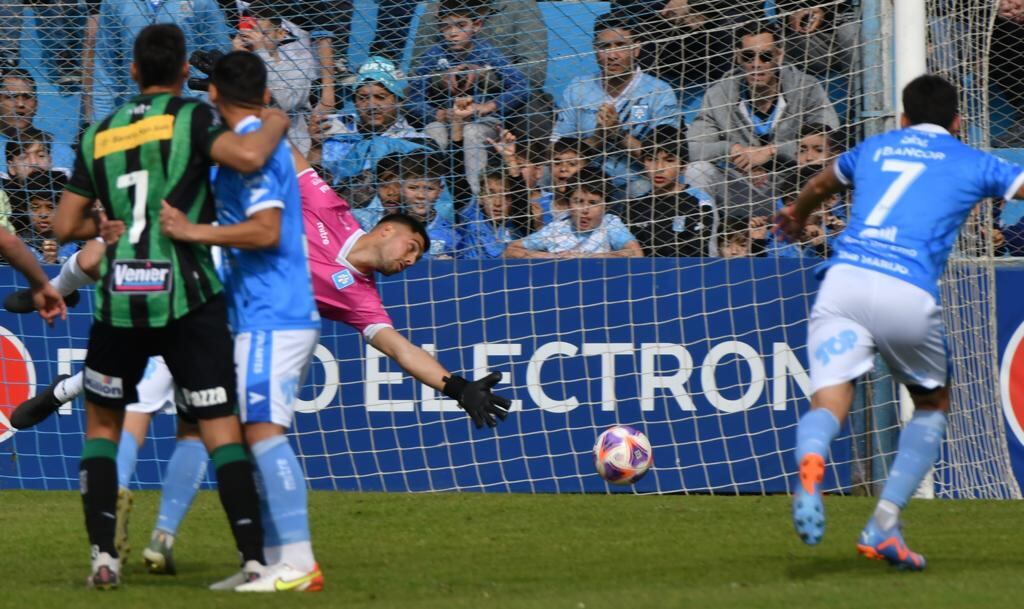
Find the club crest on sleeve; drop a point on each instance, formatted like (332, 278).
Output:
(342, 279)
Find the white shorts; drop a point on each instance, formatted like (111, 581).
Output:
(271, 366)
(860, 312)
(156, 389)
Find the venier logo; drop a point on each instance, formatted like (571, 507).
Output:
(141, 276)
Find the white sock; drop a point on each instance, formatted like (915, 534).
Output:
(272, 554)
(71, 277)
(887, 514)
(69, 388)
(299, 555)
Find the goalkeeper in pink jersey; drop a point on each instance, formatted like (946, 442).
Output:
(343, 259)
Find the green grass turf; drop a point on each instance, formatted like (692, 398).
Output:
(547, 551)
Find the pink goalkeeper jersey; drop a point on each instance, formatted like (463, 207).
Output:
(342, 293)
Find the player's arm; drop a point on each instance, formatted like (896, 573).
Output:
(45, 297)
(248, 153)
(790, 221)
(261, 230)
(474, 397)
(74, 220)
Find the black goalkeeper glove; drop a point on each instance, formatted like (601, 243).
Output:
(476, 398)
(204, 62)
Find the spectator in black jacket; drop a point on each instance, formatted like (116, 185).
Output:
(674, 219)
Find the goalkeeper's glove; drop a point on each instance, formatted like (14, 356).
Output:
(476, 398)
(204, 62)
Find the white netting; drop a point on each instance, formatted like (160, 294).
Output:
(706, 354)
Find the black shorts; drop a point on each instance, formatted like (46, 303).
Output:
(197, 348)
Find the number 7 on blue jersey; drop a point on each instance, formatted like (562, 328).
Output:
(908, 172)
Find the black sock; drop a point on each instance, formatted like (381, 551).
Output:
(238, 495)
(97, 474)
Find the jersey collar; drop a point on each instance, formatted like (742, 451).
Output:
(930, 128)
(245, 122)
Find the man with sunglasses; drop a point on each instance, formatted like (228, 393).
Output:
(749, 124)
(618, 107)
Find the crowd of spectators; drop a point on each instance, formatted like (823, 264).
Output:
(468, 140)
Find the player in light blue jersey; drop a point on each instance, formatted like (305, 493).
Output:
(273, 317)
(913, 189)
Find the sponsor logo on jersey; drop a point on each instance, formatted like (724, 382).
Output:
(119, 139)
(342, 279)
(17, 377)
(914, 140)
(882, 234)
(1011, 383)
(145, 276)
(214, 396)
(104, 385)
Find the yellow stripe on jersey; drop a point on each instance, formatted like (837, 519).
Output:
(134, 135)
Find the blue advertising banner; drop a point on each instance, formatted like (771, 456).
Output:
(707, 357)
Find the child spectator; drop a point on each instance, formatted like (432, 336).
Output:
(388, 197)
(818, 145)
(421, 175)
(528, 160)
(674, 220)
(461, 66)
(28, 154)
(499, 215)
(568, 157)
(588, 232)
(291, 66)
(33, 206)
(614, 109)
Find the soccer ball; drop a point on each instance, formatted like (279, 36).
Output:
(622, 455)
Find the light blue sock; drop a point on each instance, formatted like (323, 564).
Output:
(185, 472)
(284, 491)
(815, 432)
(127, 456)
(920, 442)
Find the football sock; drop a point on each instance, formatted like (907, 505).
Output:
(97, 475)
(284, 490)
(127, 455)
(69, 389)
(71, 277)
(920, 442)
(237, 490)
(815, 432)
(185, 472)
(887, 515)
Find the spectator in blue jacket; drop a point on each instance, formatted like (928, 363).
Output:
(120, 21)
(463, 67)
(616, 108)
(497, 216)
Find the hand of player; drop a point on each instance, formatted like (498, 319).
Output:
(110, 230)
(49, 251)
(787, 225)
(49, 303)
(476, 398)
(174, 223)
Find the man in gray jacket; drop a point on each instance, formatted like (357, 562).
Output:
(745, 138)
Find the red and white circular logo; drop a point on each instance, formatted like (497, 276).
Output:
(17, 378)
(1011, 383)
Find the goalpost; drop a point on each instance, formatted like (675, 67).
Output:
(706, 355)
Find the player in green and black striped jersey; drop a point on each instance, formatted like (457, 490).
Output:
(157, 296)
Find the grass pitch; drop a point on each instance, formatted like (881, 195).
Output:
(548, 551)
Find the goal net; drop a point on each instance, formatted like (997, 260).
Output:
(674, 131)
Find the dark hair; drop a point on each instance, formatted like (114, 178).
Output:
(615, 20)
(591, 180)
(520, 214)
(732, 227)
(241, 78)
(20, 75)
(159, 53)
(421, 165)
(412, 224)
(471, 9)
(754, 28)
(834, 138)
(668, 139)
(39, 185)
(18, 145)
(389, 163)
(930, 99)
(571, 144)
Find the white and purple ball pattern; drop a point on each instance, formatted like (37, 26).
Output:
(622, 455)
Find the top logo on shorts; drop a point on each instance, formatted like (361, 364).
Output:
(343, 279)
(141, 276)
(1011, 383)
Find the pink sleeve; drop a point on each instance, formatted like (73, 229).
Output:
(343, 296)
